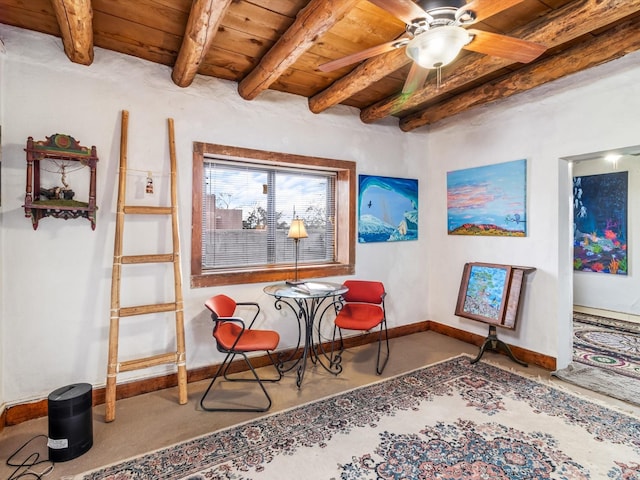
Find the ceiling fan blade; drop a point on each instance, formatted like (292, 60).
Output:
(405, 10)
(362, 55)
(503, 46)
(488, 8)
(415, 79)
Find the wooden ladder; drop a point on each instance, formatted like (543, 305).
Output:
(117, 311)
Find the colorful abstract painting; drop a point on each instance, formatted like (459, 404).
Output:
(600, 223)
(483, 292)
(488, 200)
(387, 209)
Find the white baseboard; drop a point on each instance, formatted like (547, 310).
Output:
(629, 317)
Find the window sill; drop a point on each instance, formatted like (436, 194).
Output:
(264, 275)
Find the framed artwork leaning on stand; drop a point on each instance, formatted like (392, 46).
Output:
(490, 293)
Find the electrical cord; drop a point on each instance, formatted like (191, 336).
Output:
(23, 469)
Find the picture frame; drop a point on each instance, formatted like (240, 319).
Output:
(600, 223)
(489, 200)
(387, 209)
(485, 293)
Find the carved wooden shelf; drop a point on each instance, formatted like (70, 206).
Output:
(58, 148)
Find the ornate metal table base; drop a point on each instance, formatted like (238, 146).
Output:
(309, 309)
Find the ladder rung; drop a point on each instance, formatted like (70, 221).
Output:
(147, 362)
(142, 309)
(146, 210)
(155, 258)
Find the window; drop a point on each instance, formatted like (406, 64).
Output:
(243, 204)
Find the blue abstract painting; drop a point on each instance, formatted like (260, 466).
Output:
(387, 209)
(489, 200)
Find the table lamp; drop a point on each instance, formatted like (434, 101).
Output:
(297, 231)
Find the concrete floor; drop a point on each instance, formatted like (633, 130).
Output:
(155, 420)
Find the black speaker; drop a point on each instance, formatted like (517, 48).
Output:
(70, 422)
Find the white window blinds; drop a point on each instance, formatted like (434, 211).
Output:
(247, 210)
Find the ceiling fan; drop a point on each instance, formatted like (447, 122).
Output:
(435, 34)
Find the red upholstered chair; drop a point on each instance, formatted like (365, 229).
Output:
(364, 310)
(234, 337)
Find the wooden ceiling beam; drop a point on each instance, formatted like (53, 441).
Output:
(204, 19)
(75, 19)
(563, 25)
(358, 79)
(613, 44)
(312, 22)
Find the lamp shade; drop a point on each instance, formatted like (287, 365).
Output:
(437, 47)
(297, 229)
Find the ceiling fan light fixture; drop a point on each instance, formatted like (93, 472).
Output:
(437, 47)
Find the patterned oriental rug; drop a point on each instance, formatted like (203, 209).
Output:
(451, 420)
(606, 357)
(607, 343)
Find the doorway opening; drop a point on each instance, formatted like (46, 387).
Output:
(597, 292)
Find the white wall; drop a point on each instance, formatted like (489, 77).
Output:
(591, 111)
(2, 401)
(616, 293)
(58, 278)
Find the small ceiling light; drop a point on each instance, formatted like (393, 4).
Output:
(613, 158)
(437, 47)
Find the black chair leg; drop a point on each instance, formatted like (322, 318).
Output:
(336, 356)
(224, 367)
(259, 379)
(383, 328)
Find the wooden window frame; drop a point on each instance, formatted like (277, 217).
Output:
(345, 218)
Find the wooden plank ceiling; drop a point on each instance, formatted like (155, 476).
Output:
(279, 44)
